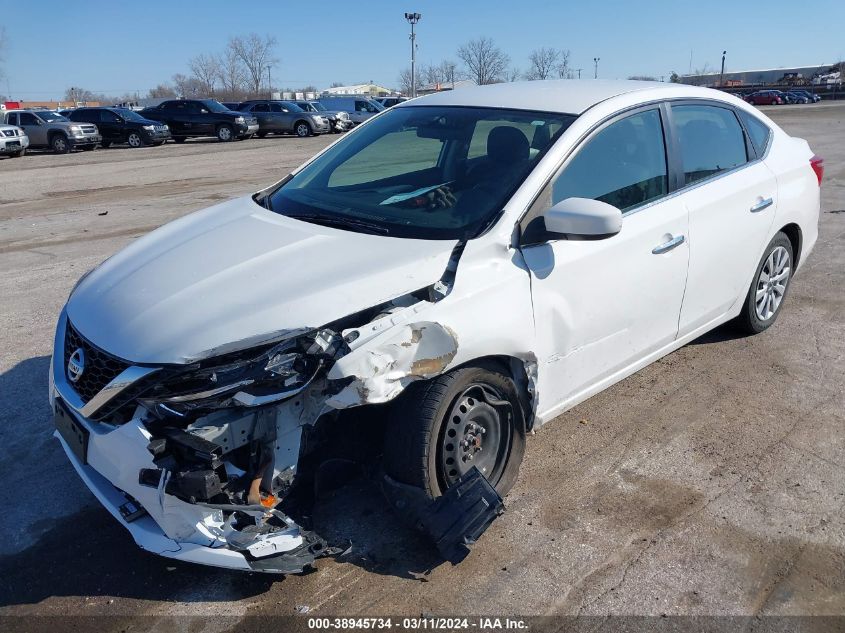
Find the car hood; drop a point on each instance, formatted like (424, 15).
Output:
(236, 275)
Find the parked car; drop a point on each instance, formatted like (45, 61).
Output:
(765, 97)
(49, 129)
(189, 118)
(806, 96)
(232, 105)
(359, 109)
(464, 268)
(284, 117)
(120, 125)
(339, 121)
(13, 141)
(389, 102)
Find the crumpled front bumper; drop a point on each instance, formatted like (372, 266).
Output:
(144, 530)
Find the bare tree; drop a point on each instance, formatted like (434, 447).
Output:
(642, 78)
(674, 78)
(543, 63)
(162, 91)
(256, 54)
(232, 74)
(206, 70)
(338, 84)
(514, 74)
(405, 81)
(188, 86)
(485, 62)
(563, 69)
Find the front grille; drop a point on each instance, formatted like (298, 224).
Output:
(89, 129)
(100, 368)
(10, 132)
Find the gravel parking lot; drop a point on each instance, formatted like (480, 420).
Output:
(711, 482)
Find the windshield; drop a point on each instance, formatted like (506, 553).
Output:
(214, 106)
(317, 106)
(49, 116)
(130, 115)
(421, 172)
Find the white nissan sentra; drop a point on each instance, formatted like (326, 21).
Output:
(449, 276)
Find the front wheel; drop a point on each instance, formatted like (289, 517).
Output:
(439, 429)
(60, 144)
(134, 139)
(302, 129)
(225, 133)
(768, 290)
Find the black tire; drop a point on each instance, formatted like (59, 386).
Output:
(225, 133)
(105, 144)
(135, 140)
(422, 432)
(20, 153)
(178, 139)
(302, 129)
(60, 144)
(750, 320)
(261, 134)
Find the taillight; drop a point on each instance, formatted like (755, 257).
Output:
(817, 163)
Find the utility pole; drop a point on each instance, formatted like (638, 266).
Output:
(269, 83)
(722, 74)
(413, 18)
(579, 72)
(596, 61)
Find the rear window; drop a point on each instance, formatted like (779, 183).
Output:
(758, 131)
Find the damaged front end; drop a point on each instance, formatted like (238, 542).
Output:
(201, 462)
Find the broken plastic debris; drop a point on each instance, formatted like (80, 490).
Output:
(456, 519)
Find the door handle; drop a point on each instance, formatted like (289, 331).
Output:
(763, 204)
(668, 246)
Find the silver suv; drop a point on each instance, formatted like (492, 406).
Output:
(48, 129)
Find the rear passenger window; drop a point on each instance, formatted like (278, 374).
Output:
(624, 164)
(758, 131)
(261, 107)
(711, 140)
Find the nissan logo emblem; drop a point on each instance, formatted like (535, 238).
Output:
(76, 365)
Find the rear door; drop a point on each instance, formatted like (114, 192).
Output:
(111, 126)
(261, 111)
(731, 197)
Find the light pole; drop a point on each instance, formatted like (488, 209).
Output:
(722, 74)
(413, 18)
(269, 82)
(596, 61)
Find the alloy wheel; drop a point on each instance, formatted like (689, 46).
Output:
(134, 140)
(772, 282)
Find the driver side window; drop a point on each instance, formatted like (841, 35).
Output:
(624, 164)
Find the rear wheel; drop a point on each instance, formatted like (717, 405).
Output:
(134, 139)
(439, 429)
(768, 290)
(225, 133)
(60, 144)
(302, 129)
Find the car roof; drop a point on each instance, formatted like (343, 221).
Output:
(569, 96)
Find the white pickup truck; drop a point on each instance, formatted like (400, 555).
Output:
(13, 140)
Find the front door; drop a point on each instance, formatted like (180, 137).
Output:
(34, 127)
(601, 306)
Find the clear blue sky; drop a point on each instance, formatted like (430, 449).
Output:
(135, 44)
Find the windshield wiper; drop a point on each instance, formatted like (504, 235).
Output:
(337, 221)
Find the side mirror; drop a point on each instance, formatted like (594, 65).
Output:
(582, 218)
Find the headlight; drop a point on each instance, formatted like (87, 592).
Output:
(257, 378)
(76, 129)
(149, 128)
(239, 119)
